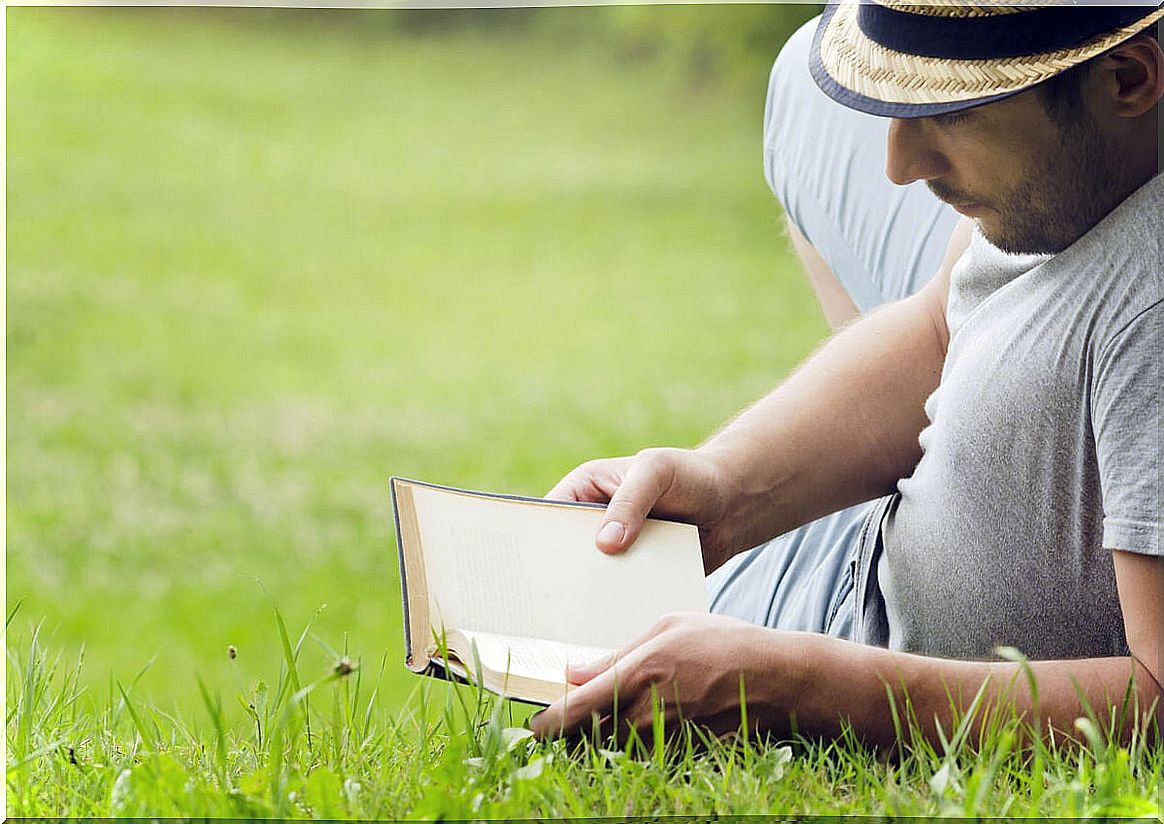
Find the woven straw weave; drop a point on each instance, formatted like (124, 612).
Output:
(870, 69)
(962, 8)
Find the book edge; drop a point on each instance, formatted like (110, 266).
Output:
(457, 673)
(404, 515)
(524, 499)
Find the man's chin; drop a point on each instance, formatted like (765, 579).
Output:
(1008, 242)
(989, 229)
(1018, 245)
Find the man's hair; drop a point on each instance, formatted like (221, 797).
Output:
(1062, 95)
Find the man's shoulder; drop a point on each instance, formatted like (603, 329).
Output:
(1118, 268)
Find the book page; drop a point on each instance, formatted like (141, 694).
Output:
(530, 569)
(529, 657)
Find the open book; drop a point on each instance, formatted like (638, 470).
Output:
(513, 588)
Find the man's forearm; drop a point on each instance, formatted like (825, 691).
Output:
(844, 680)
(843, 429)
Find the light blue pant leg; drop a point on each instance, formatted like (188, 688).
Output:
(802, 580)
(826, 165)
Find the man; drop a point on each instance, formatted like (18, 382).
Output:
(1016, 398)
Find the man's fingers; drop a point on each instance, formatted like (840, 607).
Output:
(577, 711)
(580, 673)
(592, 482)
(649, 476)
(578, 485)
(633, 486)
(563, 491)
(599, 688)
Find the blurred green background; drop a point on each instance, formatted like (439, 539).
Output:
(260, 260)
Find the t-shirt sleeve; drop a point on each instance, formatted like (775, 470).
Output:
(1126, 416)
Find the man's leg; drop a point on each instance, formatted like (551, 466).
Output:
(835, 302)
(826, 165)
(858, 236)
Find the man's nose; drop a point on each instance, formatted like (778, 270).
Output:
(909, 154)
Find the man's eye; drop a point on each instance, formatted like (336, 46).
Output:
(951, 118)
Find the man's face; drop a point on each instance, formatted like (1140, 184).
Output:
(1032, 185)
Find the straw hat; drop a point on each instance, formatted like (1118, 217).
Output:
(918, 59)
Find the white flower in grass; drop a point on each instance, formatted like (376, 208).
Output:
(515, 737)
(531, 770)
(122, 792)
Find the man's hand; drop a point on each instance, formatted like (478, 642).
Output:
(677, 483)
(691, 665)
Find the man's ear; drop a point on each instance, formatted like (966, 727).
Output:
(1132, 76)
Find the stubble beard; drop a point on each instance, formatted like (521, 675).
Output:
(1063, 194)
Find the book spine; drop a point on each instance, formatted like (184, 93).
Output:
(392, 482)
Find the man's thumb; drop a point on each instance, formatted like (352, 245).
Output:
(611, 535)
(647, 479)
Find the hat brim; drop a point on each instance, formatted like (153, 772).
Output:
(864, 75)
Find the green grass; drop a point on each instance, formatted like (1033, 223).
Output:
(259, 261)
(324, 745)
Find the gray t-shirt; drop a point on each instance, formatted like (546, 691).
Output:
(1043, 451)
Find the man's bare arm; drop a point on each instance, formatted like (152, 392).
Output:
(814, 684)
(842, 429)
(849, 680)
